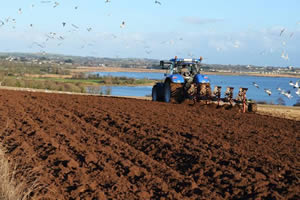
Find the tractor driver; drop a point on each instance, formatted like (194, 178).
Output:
(184, 70)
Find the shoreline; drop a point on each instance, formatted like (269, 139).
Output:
(120, 69)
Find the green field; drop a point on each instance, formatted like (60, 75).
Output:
(56, 77)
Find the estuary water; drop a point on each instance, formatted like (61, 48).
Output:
(254, 93)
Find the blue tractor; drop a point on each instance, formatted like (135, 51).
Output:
(182, 81)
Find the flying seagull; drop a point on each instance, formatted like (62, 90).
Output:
(157, 2)
(1, 23)
(287, 94)
(282, 30)
(38, 44)
(294, 85)
(298, 92)
(55, 4)
(89, 29)
(64, 24)
(283, 43)
(279, 89)
(268, 91)
(107, 1)
(75, 26)
(284, 56)
(122, 25)
(255, 84)
(20, 10)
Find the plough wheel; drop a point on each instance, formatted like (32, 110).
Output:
(252, 107)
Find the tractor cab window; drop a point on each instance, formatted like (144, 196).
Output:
(194, 69)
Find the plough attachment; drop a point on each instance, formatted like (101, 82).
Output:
(204, 94)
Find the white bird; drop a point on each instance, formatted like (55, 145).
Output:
(282, 30)
(284, 56)
(279, 89)
(255, 84)
(157, 2)
(1, 23)
(294, 85)
(288, 94)
(122, 25)
(268, 91)
(55, 4)
(75, 26)
(20, 10)
(291, 35)
(236, 44)
(298, 92)
(297, 85)
(107, 1)
(40, 45)
(89, 29)
(64, 24)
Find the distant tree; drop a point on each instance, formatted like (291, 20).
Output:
(69, 61)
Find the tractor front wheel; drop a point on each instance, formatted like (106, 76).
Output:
(173, 92)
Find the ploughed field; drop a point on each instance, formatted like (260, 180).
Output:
(89, 147)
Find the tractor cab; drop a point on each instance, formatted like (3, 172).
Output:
(181, 66)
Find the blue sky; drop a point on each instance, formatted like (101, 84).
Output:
(223, 32)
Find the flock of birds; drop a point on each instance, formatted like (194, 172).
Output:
(73, 27)
(287, 94)
(11, 21)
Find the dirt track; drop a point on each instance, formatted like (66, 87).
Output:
(87, 147)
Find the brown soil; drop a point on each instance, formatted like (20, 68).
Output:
(88, 147)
